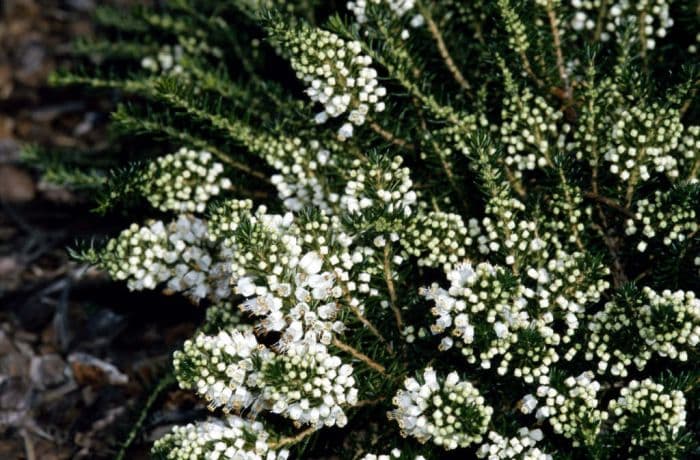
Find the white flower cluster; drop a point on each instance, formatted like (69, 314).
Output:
(643, 140)
(298, 187)
(520, 447)
(652, 17)
(479, 296)
(167, 61)
(300, 180)
(232, 437)
(339, 76)
(305, 308)
(661, 220)
(178, 253)
(184, 181)
(383, 186)
(233, 371)
(398, 7)
(626, 333)
(451, 413)
(395, 453)
(221, 368)
(572, 413)
(530, 130)
(292, 289)
(495, 312)
(658, 416)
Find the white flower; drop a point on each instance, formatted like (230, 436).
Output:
(311, 263)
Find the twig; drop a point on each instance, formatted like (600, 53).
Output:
(602, 14)
(165, 382)
(444, 52)
(610, 203)
(391, 289)
(368, 402)
(554, 24)
(28, 445)
(390, 137)
(619, 276)
(293, 439)
(359, 355)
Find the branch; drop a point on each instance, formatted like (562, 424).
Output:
(391, 289)
(610, 203)
(390, 137)
(359, 355)
(444, 52)
(292, 439)
(554, 25)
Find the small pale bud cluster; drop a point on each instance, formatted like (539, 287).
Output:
(439, 239)
(383, 186)
(184, 181)
(300, 185)
(629, 332)
(451, 413)
(643, 140)
(661, 220)
(679, 331)
(178, 254)
(309, 386)
(232, 371)
(530, 130)
(398, 7)
(394, 454)
(689, 148)
(657, 416)
(519, 447)
(339, 76)
(167, 61)
(654, 13)
(231, 437)
(572, 412)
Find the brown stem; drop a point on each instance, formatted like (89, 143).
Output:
(554, 25)
(618, 272)
(610, 203)
(444, 52)
(359, 355)
(292, 439)
(404, 144)
(602, 13)
(391, 289)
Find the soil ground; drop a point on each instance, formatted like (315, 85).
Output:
(79, 355)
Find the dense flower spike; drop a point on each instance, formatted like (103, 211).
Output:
(573, 411)
(177, 255)
(519, 208)
(234, 372)
(449, 412)
(232, 437)
(338, 75)
(184, 181)
(521, 446)
(658, 416)
(629, 332)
